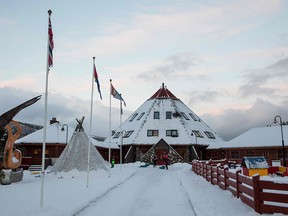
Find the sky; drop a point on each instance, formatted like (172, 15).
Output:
(226, 60)
(129, 190)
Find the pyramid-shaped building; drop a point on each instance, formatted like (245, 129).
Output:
(163, 123)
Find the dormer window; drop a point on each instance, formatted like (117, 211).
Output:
(152, 133)
(193, 117)
(156, 115)
(209, 135)
(197, 133)
(133, 117)
(168, 115)
(117, 135)
(127, 134)
(185, 116)
(140, 115)
(172, 133)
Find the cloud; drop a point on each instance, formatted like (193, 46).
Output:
(65, 109)
(163, 27)
(260, 81)
(6, 22)
(203, 96)
(174, 66)
(233, 122)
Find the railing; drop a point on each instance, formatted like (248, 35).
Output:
(262, 196)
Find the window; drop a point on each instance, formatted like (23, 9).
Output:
(152, 133)
(250, 152)
(234, 154)
(156, 115)
(197, 133)
(117, 135)
(185, 116)
(140, 115)
(127, 134)
(133, 117)
(193, 117)
(172, 133)
(209, 135)
(168, 115)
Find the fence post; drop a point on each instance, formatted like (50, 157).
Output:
(206, 171)
(256, 193)
(211, 177)
(225, 178)
(217, 176)
(193, 166)
(237, 183)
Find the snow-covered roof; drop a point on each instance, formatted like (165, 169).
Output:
(255, 162)
(177, 124)
(105, 144)
(257, 137)
(54, 134)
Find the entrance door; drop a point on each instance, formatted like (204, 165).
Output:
(160, 152)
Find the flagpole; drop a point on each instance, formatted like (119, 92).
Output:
(121, 135)
(45, 120)
(90, 128)
(110, 132)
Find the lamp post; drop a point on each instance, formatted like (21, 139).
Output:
(283, 149)
(194, 134)
(123, 131)
(62, 129)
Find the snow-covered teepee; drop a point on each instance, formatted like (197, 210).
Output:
(75, 154)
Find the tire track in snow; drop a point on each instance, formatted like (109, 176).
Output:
(187, 196)
(151, 191)
(102, 195)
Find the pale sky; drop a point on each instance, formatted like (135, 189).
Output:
(226, 60)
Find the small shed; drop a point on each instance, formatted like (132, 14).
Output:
(254, 165)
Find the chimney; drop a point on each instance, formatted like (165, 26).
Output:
(53, 120)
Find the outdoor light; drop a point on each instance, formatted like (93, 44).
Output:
(62, 129)
(283, 149)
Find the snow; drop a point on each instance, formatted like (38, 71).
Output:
(184, 126)
(129, 190)
(256, 162)
(257, 137)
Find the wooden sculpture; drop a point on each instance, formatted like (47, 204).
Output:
(12, 158)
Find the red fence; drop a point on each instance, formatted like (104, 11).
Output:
(262, 196)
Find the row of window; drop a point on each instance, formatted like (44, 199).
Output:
(199, 134)
(125, 135)
(168, 115)
(172, 133)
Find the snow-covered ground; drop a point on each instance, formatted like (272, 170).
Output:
(130, 190)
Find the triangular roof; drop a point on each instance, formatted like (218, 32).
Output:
(163, 92)
(257, 137)
(177, 124)
(75, 155)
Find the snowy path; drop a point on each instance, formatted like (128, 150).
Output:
(160, 192)
(133, 191)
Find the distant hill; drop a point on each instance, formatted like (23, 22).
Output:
(29, 128)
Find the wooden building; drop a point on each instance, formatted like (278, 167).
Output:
(164, 123)
(261, 141)
(56, 140)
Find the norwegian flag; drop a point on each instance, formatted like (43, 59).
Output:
(50, 45)
(97, 81)
(116, 94)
